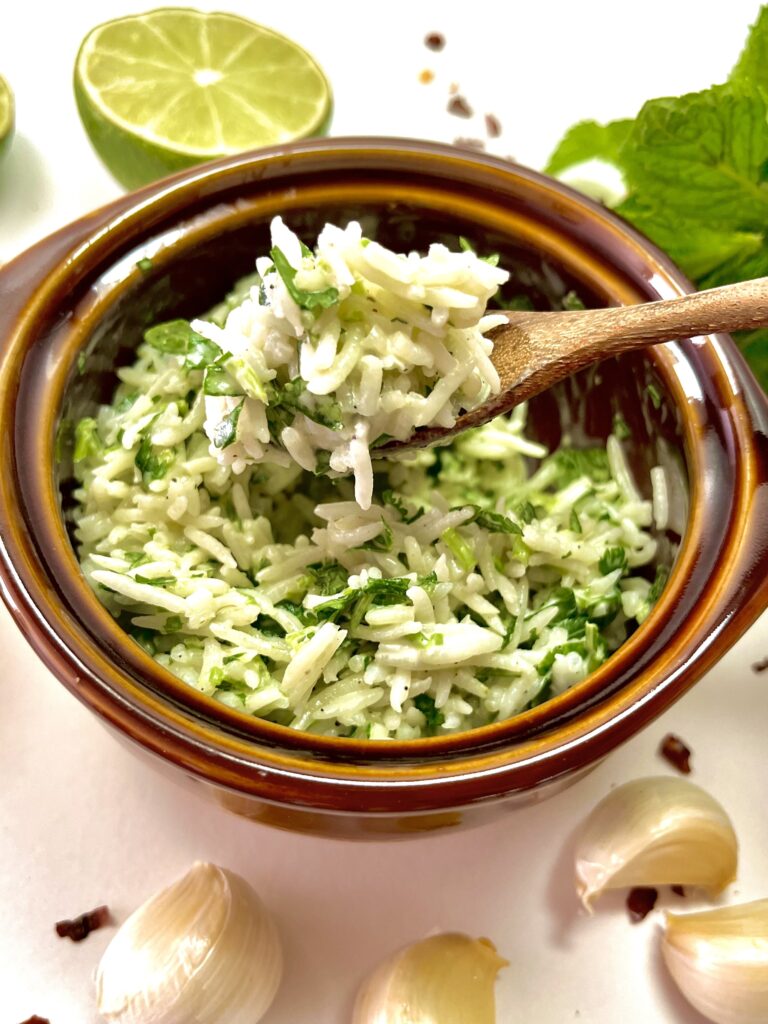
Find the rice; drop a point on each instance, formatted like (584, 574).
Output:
(485, 577)
(336, 350)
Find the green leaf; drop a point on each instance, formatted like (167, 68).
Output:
(390, 498)
(572, 301)
(307, 300)
(575, 522)
(225, 432)
(621, 427)
(751, 70)
(286, 401)
(218, 382)
(153, 462)
(329, 578)
(702, 156)
(459, 548)
(491, 521)
(87, 439)
(177, 338)
(613, 559)
(381, 542)
(573, 463)
(589, 140)
(754, 345)
(426, 706)
(662, 575)
(156, 581)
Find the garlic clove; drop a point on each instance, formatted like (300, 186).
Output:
(446, 979)
(203, 951)
(655, 831)
(719, 959)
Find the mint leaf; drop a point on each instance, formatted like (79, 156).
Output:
(589, 140)
(307, 300)
(701, 156)
(177, 338)
(751, 70)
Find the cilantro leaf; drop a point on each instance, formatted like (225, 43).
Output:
(218, 382)
(225, 432)
(177, 338)
(307, 300)
(494, 522)
(329, 578)
(573, 463)
(613, 559)
(153, 462)
(426, 706)
(156, 581)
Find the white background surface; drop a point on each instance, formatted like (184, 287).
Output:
(83, 822)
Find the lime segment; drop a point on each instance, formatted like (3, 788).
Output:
(168, 89)
(6, 116)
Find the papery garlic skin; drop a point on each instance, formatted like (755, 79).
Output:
(655, 831)
(203, 951)
(719, 959)
(445, 979)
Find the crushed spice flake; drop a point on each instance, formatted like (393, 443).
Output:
(760, 666)
(459, 107)
(426, 76)
(677, 753)
(80, 928)
(640, 902)
(678, 890)
(492, 126)
(434, 41)
(469, 143)
(34, 1019)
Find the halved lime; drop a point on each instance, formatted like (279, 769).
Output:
(6, 116)
(161, 91)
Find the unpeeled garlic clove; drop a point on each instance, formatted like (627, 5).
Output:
(655, 831)
(203, 951)
(719, 959)
(446, 979)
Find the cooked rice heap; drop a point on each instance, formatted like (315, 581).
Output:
(336, 350)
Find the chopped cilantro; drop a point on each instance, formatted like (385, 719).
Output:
(613, 559)
(153, 462)
(225, 432)
(177, 338)
(434, 718)
(307, 300)
(87, 439)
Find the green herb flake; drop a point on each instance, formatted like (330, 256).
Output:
(459, 548)
(307, 300)
(494, 522)
(177, 338)
(621, 427)
(156, 581)
(218, 382)
(144, 264)
(434, 718)
(613, 559)
(87, 439)
(152, 462)
(225, 432)
(575, 522)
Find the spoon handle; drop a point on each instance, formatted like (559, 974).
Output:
(537, 349)
(732, 307)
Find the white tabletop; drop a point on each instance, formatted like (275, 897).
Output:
(83, 822)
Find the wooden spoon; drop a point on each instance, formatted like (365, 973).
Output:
(533, 351)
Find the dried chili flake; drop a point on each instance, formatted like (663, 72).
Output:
(492, 126)
(678, 890)
(426, 76)
(434, 41)
(80, 928)
(675, 751)
(760, 666)
(36, 1020)
(640, 902)
(459, 107)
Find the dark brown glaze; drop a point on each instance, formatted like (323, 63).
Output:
(72, 293)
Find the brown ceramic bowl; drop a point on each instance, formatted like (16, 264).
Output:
(81, 292)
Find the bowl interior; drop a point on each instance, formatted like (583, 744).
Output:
(189, 276)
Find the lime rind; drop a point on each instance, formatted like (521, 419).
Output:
(184, 86)
(7, 117)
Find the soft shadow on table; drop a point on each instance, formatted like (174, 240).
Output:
(565, 910)
(25, 186)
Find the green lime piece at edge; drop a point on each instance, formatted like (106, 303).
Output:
(7, 117)
(165, 90)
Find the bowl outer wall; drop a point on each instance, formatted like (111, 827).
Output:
(423, 775)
